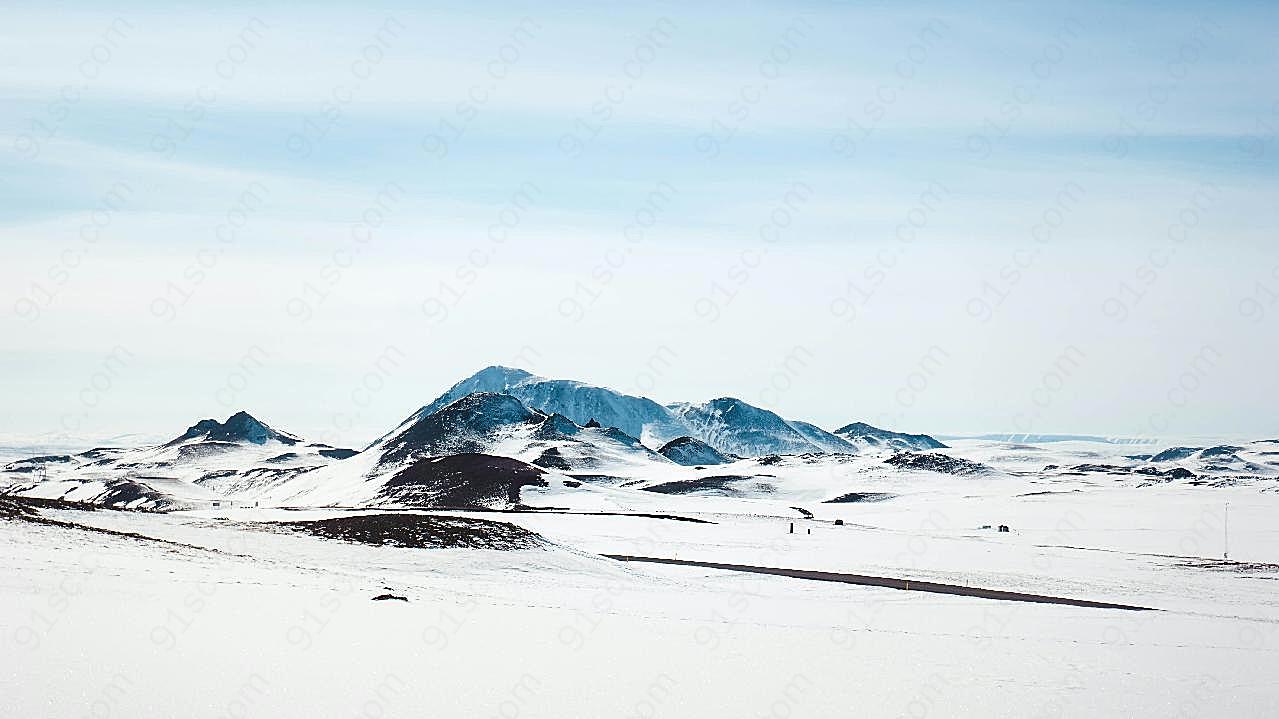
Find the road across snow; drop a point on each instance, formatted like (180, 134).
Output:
(889, 582)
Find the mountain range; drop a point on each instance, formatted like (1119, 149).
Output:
(505, 429)
(553, 425)
(729, 425)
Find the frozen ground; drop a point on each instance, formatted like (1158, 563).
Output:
(220, 614)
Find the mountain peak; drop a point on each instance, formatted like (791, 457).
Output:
(865, 434)
(508, 375)
(733, 426)
(239, 427)
(725, 401)
(557, 425)
(466, 424)
(489, 404)
(496, 379)
(578, 401)
(690, 451)
(738, 407)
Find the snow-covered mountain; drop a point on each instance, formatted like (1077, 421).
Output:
(636, 416)
(736, 427)
(501, 424)
(472, 423)
(460, 480)
(826, 441)
(1225, 462)
(239, 427)
(864, 436)
(728, 425)
(691, 452)
(210, 459)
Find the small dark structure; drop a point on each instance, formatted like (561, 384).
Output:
(1004, 528)
(839, 522)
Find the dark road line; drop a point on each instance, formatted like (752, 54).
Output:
(890, 583)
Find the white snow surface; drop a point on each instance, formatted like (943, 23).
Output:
(239, 620)
(220, 613)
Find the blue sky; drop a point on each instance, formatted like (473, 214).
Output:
(367, 152)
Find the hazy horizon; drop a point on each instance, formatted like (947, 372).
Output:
(340, 429)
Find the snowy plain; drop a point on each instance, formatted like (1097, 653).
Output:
(220, 613)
